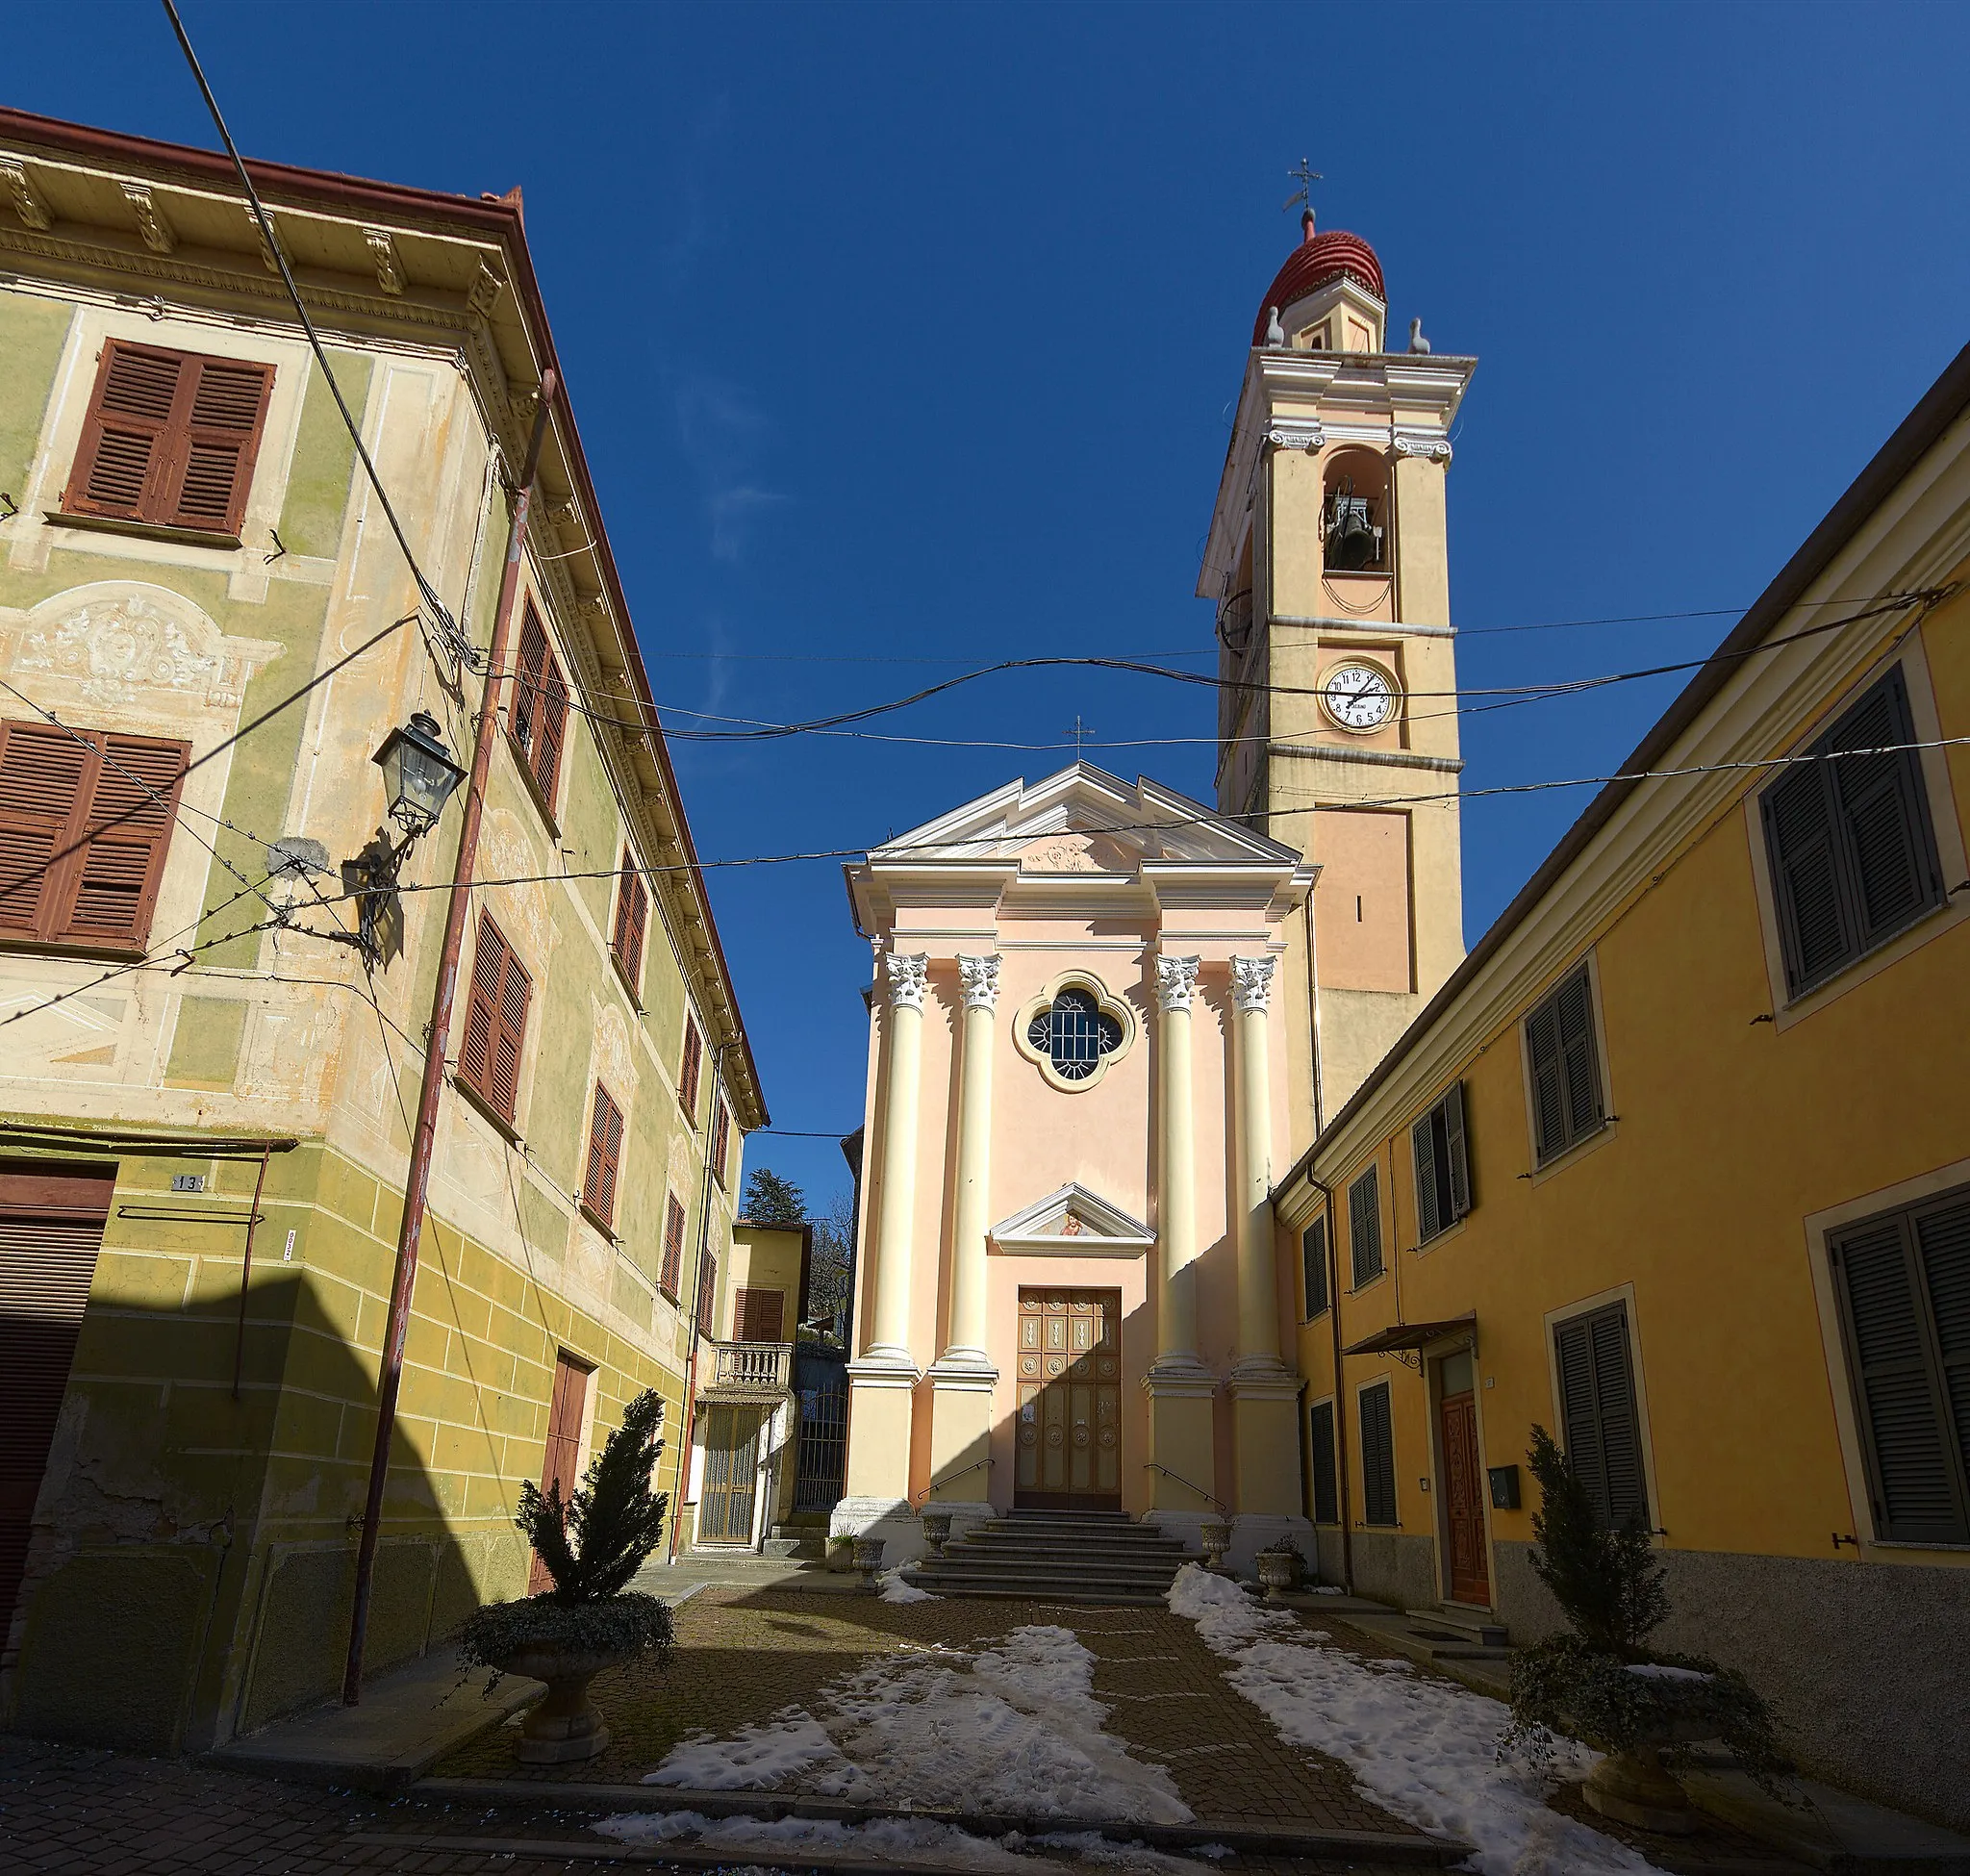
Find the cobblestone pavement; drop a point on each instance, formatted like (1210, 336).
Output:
(73, 1811)
(741, 1657)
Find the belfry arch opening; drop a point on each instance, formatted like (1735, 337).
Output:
(1356, 535)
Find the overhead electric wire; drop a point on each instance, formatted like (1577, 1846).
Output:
(448, 625)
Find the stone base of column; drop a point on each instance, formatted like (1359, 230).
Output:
(1182, 1475)
(1265, 1440)
(881, 1397)
(961, 1428)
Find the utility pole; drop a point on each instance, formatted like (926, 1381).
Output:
(424, 1135)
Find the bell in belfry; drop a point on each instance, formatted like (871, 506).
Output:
(1351, 542)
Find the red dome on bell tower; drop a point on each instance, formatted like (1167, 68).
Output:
(1317, 259)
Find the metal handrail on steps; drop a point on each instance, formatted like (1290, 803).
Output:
(938, 1485)
(1186, 1484)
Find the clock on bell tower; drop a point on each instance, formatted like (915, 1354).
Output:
(1337, 727)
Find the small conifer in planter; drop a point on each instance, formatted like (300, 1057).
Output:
(1600, 1682)
(591, 1545)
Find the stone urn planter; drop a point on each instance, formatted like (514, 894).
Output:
(1280, 1569)
(1631, 1787)
(1215, 1535)
(937, 1531)
(591, 1543)
(869, 1560)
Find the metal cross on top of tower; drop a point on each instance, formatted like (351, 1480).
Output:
(1305, 177)
(1079, 731)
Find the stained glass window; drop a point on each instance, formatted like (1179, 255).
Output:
(1075, 1035)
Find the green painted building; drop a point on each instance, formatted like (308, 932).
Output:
(205, 1090)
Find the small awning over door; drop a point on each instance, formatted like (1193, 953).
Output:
(1412, 1334)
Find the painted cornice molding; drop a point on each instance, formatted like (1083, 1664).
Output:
(1099, 1228)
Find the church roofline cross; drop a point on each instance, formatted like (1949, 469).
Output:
(1305, 176)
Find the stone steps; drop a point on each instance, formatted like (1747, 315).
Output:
(1089, 1557)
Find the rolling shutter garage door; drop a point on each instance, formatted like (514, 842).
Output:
(51, 1228)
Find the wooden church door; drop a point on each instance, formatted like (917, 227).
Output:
(1070, 1379)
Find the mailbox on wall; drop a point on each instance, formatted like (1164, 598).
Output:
(1505, 1488)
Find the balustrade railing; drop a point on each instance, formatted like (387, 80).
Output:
(762, 1365)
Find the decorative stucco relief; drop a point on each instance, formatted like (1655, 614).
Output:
(116, 644)
(614, 1053)
(521, 912)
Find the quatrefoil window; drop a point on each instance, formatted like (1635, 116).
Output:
(1073, 1035)
(1073, 1030)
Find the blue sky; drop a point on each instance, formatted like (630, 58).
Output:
(904, 339)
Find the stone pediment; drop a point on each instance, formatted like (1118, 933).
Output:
(1072, 1223)
(1085, 820)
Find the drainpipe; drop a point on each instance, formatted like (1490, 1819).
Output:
(1340, 1388)
(704, 1234)
(423, 1137)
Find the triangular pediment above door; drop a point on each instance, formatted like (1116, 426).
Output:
(1072, 1223)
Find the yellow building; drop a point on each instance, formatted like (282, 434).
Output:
(197, 1072)
(1676, 1164)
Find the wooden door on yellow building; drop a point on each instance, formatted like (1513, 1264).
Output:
(1070, 1381)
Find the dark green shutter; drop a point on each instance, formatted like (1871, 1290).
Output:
(1429, 1218)
(1565, 1068)
(1364, 1228)
(1377, 1456)
(1599, 1424)
(1852, 852)
(1326, 1493)
(1456, 1153)
(1904, 1287)
(1313, 1265)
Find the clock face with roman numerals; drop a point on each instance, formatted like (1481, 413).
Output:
(1358, 697)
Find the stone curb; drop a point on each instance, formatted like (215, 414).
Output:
(564, 1795)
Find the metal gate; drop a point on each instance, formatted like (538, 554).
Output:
(820, 1467)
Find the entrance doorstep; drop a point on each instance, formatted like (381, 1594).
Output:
(1832, 1830)
(407, 1719)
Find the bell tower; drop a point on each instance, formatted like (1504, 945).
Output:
(1337, 727)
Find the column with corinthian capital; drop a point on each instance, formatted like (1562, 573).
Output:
(1182, 1490)
(1264, 1391)
(963, 1376)
(882, 1379)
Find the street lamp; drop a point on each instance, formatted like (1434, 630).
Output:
(419, 777)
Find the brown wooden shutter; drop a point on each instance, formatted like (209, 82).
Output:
(605, 1156)
(632, 914)
(1905, 1289)
(707, 1292)
(513, 995)
(130, 820)
(674, 1248)
(43, 778)
(1377, 1456)
(122, 462)
(759, 1315)
(1326, 1494)
(213, 467)
(1599, 1423)
(721, 1135)
(550, 730)
(482, 1006)
(561, 1462)
(107, 805)
(688, 1069)
(51, 1228)
(528, 675)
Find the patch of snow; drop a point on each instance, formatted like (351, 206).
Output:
(1325, 1589)
(1426, 1748)
(896, 1590)
(757, 1758)
(1659, 1671)
(1020, 1734)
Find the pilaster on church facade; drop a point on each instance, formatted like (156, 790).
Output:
(1069, 1296)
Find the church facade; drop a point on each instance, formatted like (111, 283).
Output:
(1102, 1012)
(1069, 1296)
